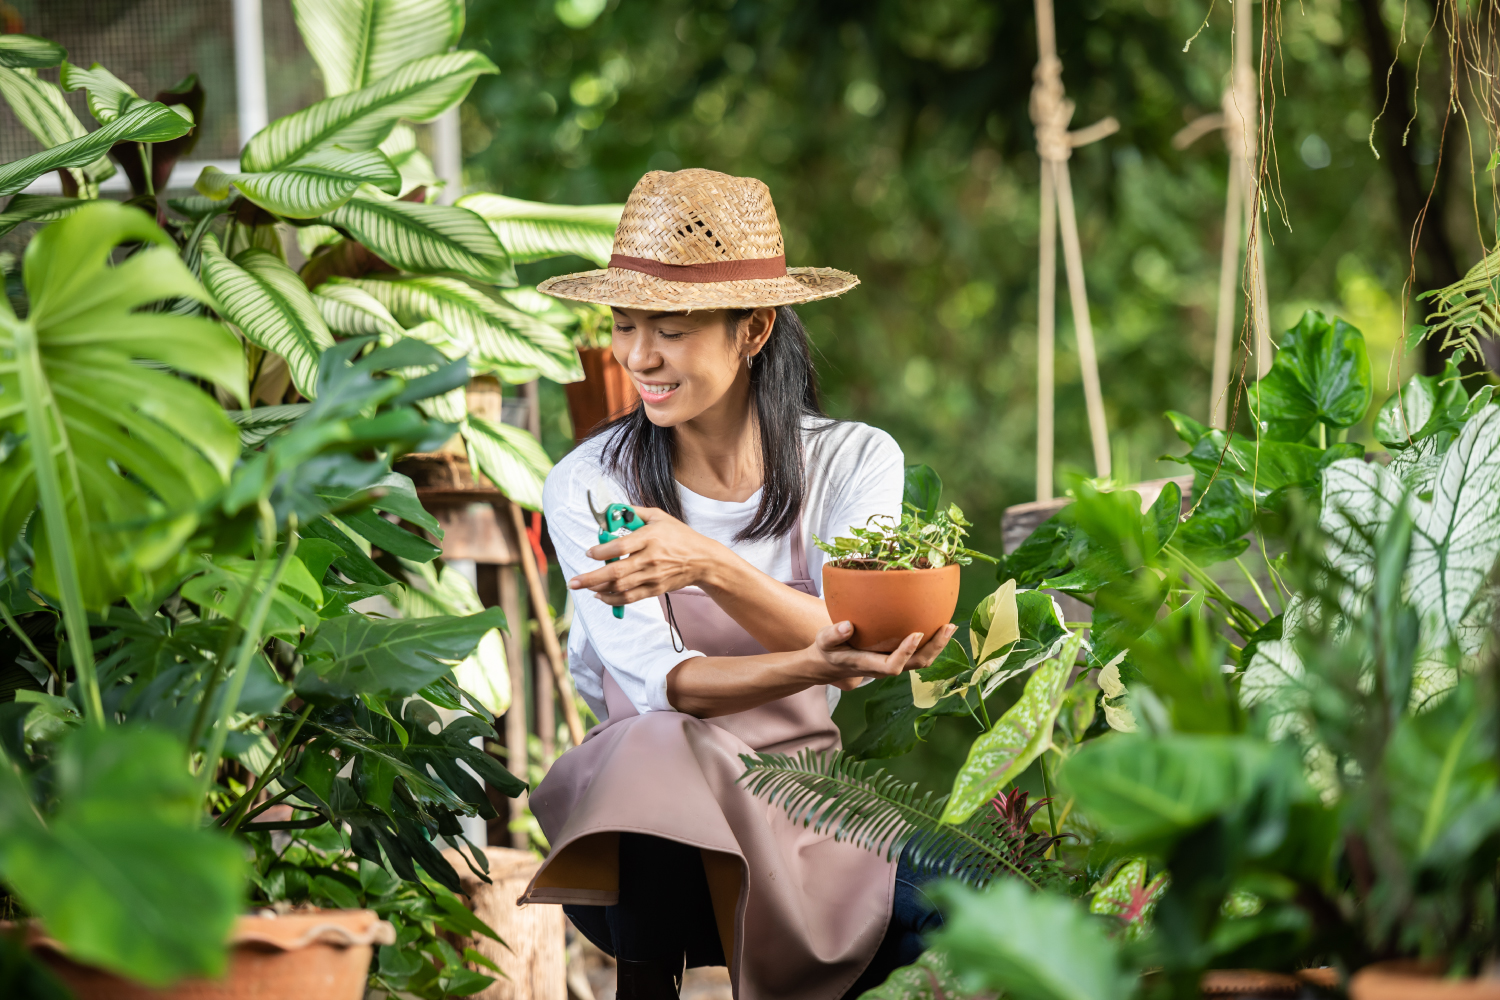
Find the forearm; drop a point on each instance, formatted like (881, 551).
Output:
(708, 686)
(778, 617)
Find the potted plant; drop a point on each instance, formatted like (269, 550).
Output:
(606, 390)
(895, 576)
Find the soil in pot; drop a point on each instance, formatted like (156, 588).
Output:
(305, 955)
(886, 606)
(605, 392)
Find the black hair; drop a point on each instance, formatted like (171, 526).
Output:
(783, 390)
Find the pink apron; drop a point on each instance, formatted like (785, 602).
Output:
(800, 914)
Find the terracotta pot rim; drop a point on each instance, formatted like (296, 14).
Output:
(827, 567)
(292, 931)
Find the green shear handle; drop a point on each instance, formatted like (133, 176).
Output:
(615, 521)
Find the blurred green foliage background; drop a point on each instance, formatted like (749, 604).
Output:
(895, 138)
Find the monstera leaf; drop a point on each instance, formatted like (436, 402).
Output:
(357, 42)
(391, 658)
(270, 305)
(427, 239)
(1321, 375)
(531, 230)
(308, 187)
(150, 122)
(419, 90)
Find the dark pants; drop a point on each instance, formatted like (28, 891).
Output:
(665, 913)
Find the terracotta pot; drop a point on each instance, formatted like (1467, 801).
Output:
(886, 606)
(307, 955)
(1248, 982)
(605, 392)
(1410, 980)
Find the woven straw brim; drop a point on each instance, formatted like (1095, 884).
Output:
(634, 290)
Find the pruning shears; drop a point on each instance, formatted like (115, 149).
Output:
(615, 521)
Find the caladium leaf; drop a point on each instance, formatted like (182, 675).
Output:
(1321, 375)
(532, 230)
(498, 337)
(317, 183)
(1410, 415)
(269, 304)
(509, 457)
(418, 90)
(357, 42)
(37, 208)
(388, 659)
(1127, 895)
(40, 107)
(151, 122)
(427, 239)
(1019, 737)
(29, 52)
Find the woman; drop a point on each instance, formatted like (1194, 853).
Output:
(725, 647)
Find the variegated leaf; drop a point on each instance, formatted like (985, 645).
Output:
(533, 230)
(39, 106)
(353, 311)
(269, 304)
(151, 122)
(357, 42)
(400, 147)
(37, 208)
(512, 459)
(427, 239)
(109, 97)
(361, 119)
(319, 182)
(29, 52)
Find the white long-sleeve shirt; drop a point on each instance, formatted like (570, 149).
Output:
(853, 472)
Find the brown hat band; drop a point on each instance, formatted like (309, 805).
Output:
(722, 270)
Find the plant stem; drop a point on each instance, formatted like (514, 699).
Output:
(232, 819)
(248, 647)
(15, 627)
(1256, 586)
(1243, 620)
(146, 168)
(1047, 791)
(36, 395)
(274, 800)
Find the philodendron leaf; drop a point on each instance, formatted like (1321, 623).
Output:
(1261, 467)
(138, 452)
(418, 90)
(39, 106)
(1028, 945)
(498, 337)
(533, 230)
(388, 659)
(270, 305)
(1217, 529)
(306, 188)
(150, 122)
(357, 42)
(123, 874)
(29, 52)
(1021, 735)
(428, 239)
(510, 457)
(923, 490)
(37, 208)
(1321, 375)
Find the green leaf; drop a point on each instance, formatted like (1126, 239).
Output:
(497, 337)
(389, 537)
(388, 659)
(354, 312)
(317, 183)
(1142, 789)
(427, 239)
(109, 97)
(261, 422)
(357, 42)
(923, 490)
(418, 90)
(270, 305)
(230, 585)
(1425, 405)
(39, 106)
(29, 52)
(37, 207)
(151, 122)
(930, 977)
(533, 230)
(1262, 467)
(1019, 737)
(510, 457)
(1029, 945)
(1321, 375)
(123, 874)
(138, 451)
(1217, 529)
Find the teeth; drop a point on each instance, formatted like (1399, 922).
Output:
(656, 389)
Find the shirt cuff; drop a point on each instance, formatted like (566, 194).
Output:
(656, 687)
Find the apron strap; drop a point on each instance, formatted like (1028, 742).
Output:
(799, 553)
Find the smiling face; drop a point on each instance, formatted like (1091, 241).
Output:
(686, 364)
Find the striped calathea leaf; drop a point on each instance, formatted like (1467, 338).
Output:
(499, 338)
(532, 230)
(266, 300)
(37, 208)
(109, 97)
(308, 187)
(357, 42)
(418, 90)
(29, 52)
(409, 160)
(150, 122)
(427, 239)
(354, 312)
(39, 106)
(512, 459)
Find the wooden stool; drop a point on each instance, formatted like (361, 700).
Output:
(533, 955)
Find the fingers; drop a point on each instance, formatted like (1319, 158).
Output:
(833, 636)
(622, 546)
(932, 648)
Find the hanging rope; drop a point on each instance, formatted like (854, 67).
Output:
(1051, 113)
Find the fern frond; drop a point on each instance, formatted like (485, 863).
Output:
(832, 792)
(1468, 309)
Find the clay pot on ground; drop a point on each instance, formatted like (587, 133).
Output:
(534, 955)
(1412, 980)
(886, 606)
(306, 955)
(605, 392)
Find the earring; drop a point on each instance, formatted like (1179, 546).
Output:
(750, 361)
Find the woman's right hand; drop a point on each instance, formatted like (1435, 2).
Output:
(843, 666)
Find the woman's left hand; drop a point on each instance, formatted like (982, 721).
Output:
(665, 555)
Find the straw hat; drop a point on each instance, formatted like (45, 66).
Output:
(699, 239)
